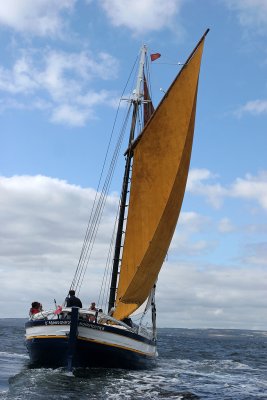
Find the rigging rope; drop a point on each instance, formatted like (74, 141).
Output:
(100, 199)
(106, 281)
(97, 213)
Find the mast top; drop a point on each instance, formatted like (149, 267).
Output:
(138, 92)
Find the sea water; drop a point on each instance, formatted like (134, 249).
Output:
(192, 364)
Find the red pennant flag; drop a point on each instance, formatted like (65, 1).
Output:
(155, 56)
(58, 310)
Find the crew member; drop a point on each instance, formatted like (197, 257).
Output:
(36, 308)
(72, 300)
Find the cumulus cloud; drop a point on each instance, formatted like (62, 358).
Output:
(58, 82)
(69, 114)
(252, 13)
(141, 16)
(254, 107)
(190, 224)
(43, 222)
(211, 296)
(46, 17)
(251, 188)
(42, 17)
(214, 192)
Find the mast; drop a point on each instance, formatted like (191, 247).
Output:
(136, 101)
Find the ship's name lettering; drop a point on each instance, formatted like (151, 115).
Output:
(57, 322)
(99, 328)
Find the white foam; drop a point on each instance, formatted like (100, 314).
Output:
(13, 355)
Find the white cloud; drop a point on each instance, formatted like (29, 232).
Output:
(251, 13)
(252, 188)
(141, 16)
(184, 245)
(218, 297)
(42, 17)
(191, 221)
(254, 107)
(43, 222)
(20, 78)
(82, 66)
(69, 115)
(196, 175)
(183, 242)
(225, 226)
(64, 78)
(213, 192)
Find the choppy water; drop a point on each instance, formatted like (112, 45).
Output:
(192, 364)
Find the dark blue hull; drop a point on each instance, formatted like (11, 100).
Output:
(49, 350)
(54, 353)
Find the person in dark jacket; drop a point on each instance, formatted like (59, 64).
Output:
(72, 300)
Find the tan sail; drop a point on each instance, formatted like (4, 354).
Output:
(160, 168)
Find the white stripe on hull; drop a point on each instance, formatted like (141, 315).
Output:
(47, 330)
(113, 339)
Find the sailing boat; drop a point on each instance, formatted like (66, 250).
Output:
(157, 164)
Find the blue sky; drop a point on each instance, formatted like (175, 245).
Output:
(62, 70)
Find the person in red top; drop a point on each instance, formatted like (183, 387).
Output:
(36, 308)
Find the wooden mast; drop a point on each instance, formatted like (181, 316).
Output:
(136, 101)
